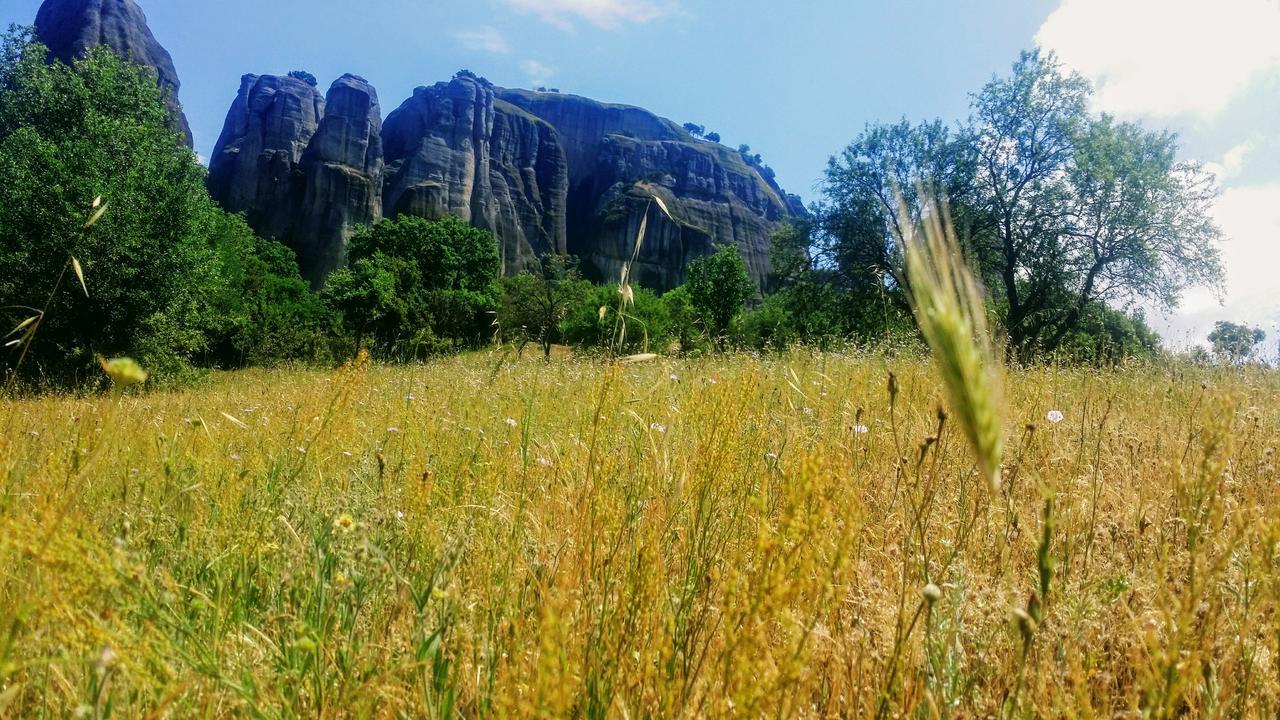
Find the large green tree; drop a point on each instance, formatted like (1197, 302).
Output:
(535, 305)
(1081, 209)
(69, 134)
(1235, 342)
(414, 287)
(719, 287)
(1061, 211)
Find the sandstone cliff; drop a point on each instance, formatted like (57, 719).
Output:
(714, 195)
(455, 148)
(545, 172)
(341, 177)
(254, 166)
(304, 169)
(70, 27)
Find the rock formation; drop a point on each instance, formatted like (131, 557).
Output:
(714, 195)
(545, 172)
(341, 177)
(254, 168)
(455, 148)
(70, 27)
(304, 169)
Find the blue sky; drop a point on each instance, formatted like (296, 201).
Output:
(797, 81)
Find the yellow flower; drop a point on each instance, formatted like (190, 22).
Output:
(344, 523)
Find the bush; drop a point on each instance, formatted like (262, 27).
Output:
(267, 312)
(719, 287)
(416, 287)
(69, 134)
(592, 323)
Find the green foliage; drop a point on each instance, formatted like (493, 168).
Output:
(712, 136)
(1235, 342)
(718, 288)
(1107, 336)
(415, 287)
(267, 313)
(305, 77)
(67, 135)
(534, 307)
(1060, 211)
(686, 326)
(590, 324)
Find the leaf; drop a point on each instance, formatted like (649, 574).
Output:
(234, 421)
(642, 357)
(23, 324)
(75, 265)
(100, 208)
(11, 343)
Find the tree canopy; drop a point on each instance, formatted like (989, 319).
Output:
(1060, 210)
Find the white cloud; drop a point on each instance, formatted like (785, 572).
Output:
(1250, 220)
(485, 39)
(601, 13)
(538, 73)
(1166, 57)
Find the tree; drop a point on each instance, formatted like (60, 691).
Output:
(1234, 342)
(592, 321)
(69, 134)
(266, 312)
(713, 137)
(416, 287)
(859, 223)
(695, 129)
(534, 306)
(719, 287)
(305, 77)
(1081, 209)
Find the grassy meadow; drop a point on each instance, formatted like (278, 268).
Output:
(739, 536)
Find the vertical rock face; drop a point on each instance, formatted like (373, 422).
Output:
(70, 27)
(341, 177)
(253, 166)
(455, 148)
(304, 169)
(714, 195)
(545, 172)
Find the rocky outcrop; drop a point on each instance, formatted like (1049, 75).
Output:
(304, 169)
(455, 148)
(715, 197)
(341, 179)
(70, 27)
(545, 172)
(254, 168)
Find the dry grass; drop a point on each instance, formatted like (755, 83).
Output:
(674, 538)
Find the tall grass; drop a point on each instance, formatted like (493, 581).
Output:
(782, 536)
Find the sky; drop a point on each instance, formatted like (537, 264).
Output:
(798, 81)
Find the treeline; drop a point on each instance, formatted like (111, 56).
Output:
(1063, 214)
(1073, 220)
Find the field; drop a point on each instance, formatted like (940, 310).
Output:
(733, 536)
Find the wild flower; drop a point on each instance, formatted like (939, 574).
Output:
(393, 430)
(344, 523)
(1055, 416)
(511, 422)
(659, 427)
(860, 429)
